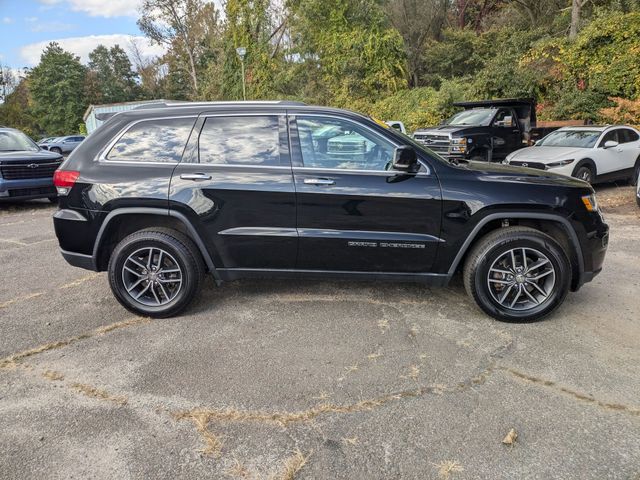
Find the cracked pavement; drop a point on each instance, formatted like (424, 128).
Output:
(346, 380)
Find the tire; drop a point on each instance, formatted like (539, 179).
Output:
(636, 173)
(584, 172)
(174, 283)
(53, 199)
(486, 286)
(56, 150)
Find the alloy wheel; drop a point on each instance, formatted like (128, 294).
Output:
(151, 276)
(521, 279)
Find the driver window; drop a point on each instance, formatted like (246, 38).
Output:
(504, 118)
(335, 143)
(612, 135)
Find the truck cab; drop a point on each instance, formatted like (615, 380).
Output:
(486, 130)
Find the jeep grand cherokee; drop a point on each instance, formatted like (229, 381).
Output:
(159, 196)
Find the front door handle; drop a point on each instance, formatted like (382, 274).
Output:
(319, 181)
(195, 176)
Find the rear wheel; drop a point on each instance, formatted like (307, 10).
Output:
(517, 274)
(155, 272)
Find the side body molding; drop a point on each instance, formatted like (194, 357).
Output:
(195, 236)
(523, 215)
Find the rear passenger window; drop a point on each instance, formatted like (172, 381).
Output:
(251, 140)
(161, 140)
(627, 136)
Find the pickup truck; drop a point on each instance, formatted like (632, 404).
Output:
(486, 130)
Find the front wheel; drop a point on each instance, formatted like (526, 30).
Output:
(155, 272)
(517, 274)
(584, 173)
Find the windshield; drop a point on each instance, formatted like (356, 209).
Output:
(570, 138)
(480, 117)
(12, 141)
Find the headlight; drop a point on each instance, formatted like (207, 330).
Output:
(561, 163)
(590, 202)
(458, 145)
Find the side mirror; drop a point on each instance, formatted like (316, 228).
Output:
(610, 144)
(405, 159)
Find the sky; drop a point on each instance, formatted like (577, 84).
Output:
(27, 26)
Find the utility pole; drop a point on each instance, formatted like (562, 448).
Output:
(242, 51)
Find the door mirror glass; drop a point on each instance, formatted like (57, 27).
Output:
(610, 144)
(405, 159)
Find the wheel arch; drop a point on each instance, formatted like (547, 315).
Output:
(123, 221)
(586, 162)
(554, 225)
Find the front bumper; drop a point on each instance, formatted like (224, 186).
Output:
(25, 189)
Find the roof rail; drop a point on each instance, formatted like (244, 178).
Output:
(163, 104)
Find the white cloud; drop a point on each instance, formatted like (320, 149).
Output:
(7, 20)
(52, 27)
(101, 8)
(30, 19)
(81, 46)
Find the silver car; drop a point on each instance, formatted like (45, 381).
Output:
(62, 144)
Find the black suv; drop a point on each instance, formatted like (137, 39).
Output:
(158, 196)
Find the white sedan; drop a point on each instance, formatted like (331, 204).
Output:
(592, 153)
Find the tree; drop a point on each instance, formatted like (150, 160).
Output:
(576, 7)
(8, 81)
(417, 21)
(112, 72)
(57, 89)
(16, 112)
(183, 26)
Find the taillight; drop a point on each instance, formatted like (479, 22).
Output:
(64, 180)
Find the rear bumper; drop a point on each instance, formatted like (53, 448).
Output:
(79, 260)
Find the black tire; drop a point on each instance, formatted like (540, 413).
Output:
(496, 245)
(53, 199)
(56, 150)
(176, 247)
(584, 172)
(636, 173)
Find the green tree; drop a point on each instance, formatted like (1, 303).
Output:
(184, 27)
(57, 89)
(114, 76)
(16, 112)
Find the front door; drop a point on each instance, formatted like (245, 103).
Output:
(235, 183)
(354, 213)
(506, 134)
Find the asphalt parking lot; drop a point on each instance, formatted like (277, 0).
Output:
(283, 379)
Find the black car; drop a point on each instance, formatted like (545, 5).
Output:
(159, 196)
(486, 130)
(26, 171)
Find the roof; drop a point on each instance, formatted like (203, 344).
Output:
(165, 103)
(598, 128)
(496, 103)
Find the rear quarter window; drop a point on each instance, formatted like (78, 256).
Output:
(156, 140)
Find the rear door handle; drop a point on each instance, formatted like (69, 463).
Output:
(195, 176)
(319, 181)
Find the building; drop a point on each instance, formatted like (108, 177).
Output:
(96, 115)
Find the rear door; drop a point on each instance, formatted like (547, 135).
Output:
(630, 146)
(354, 214)
(235, 184)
